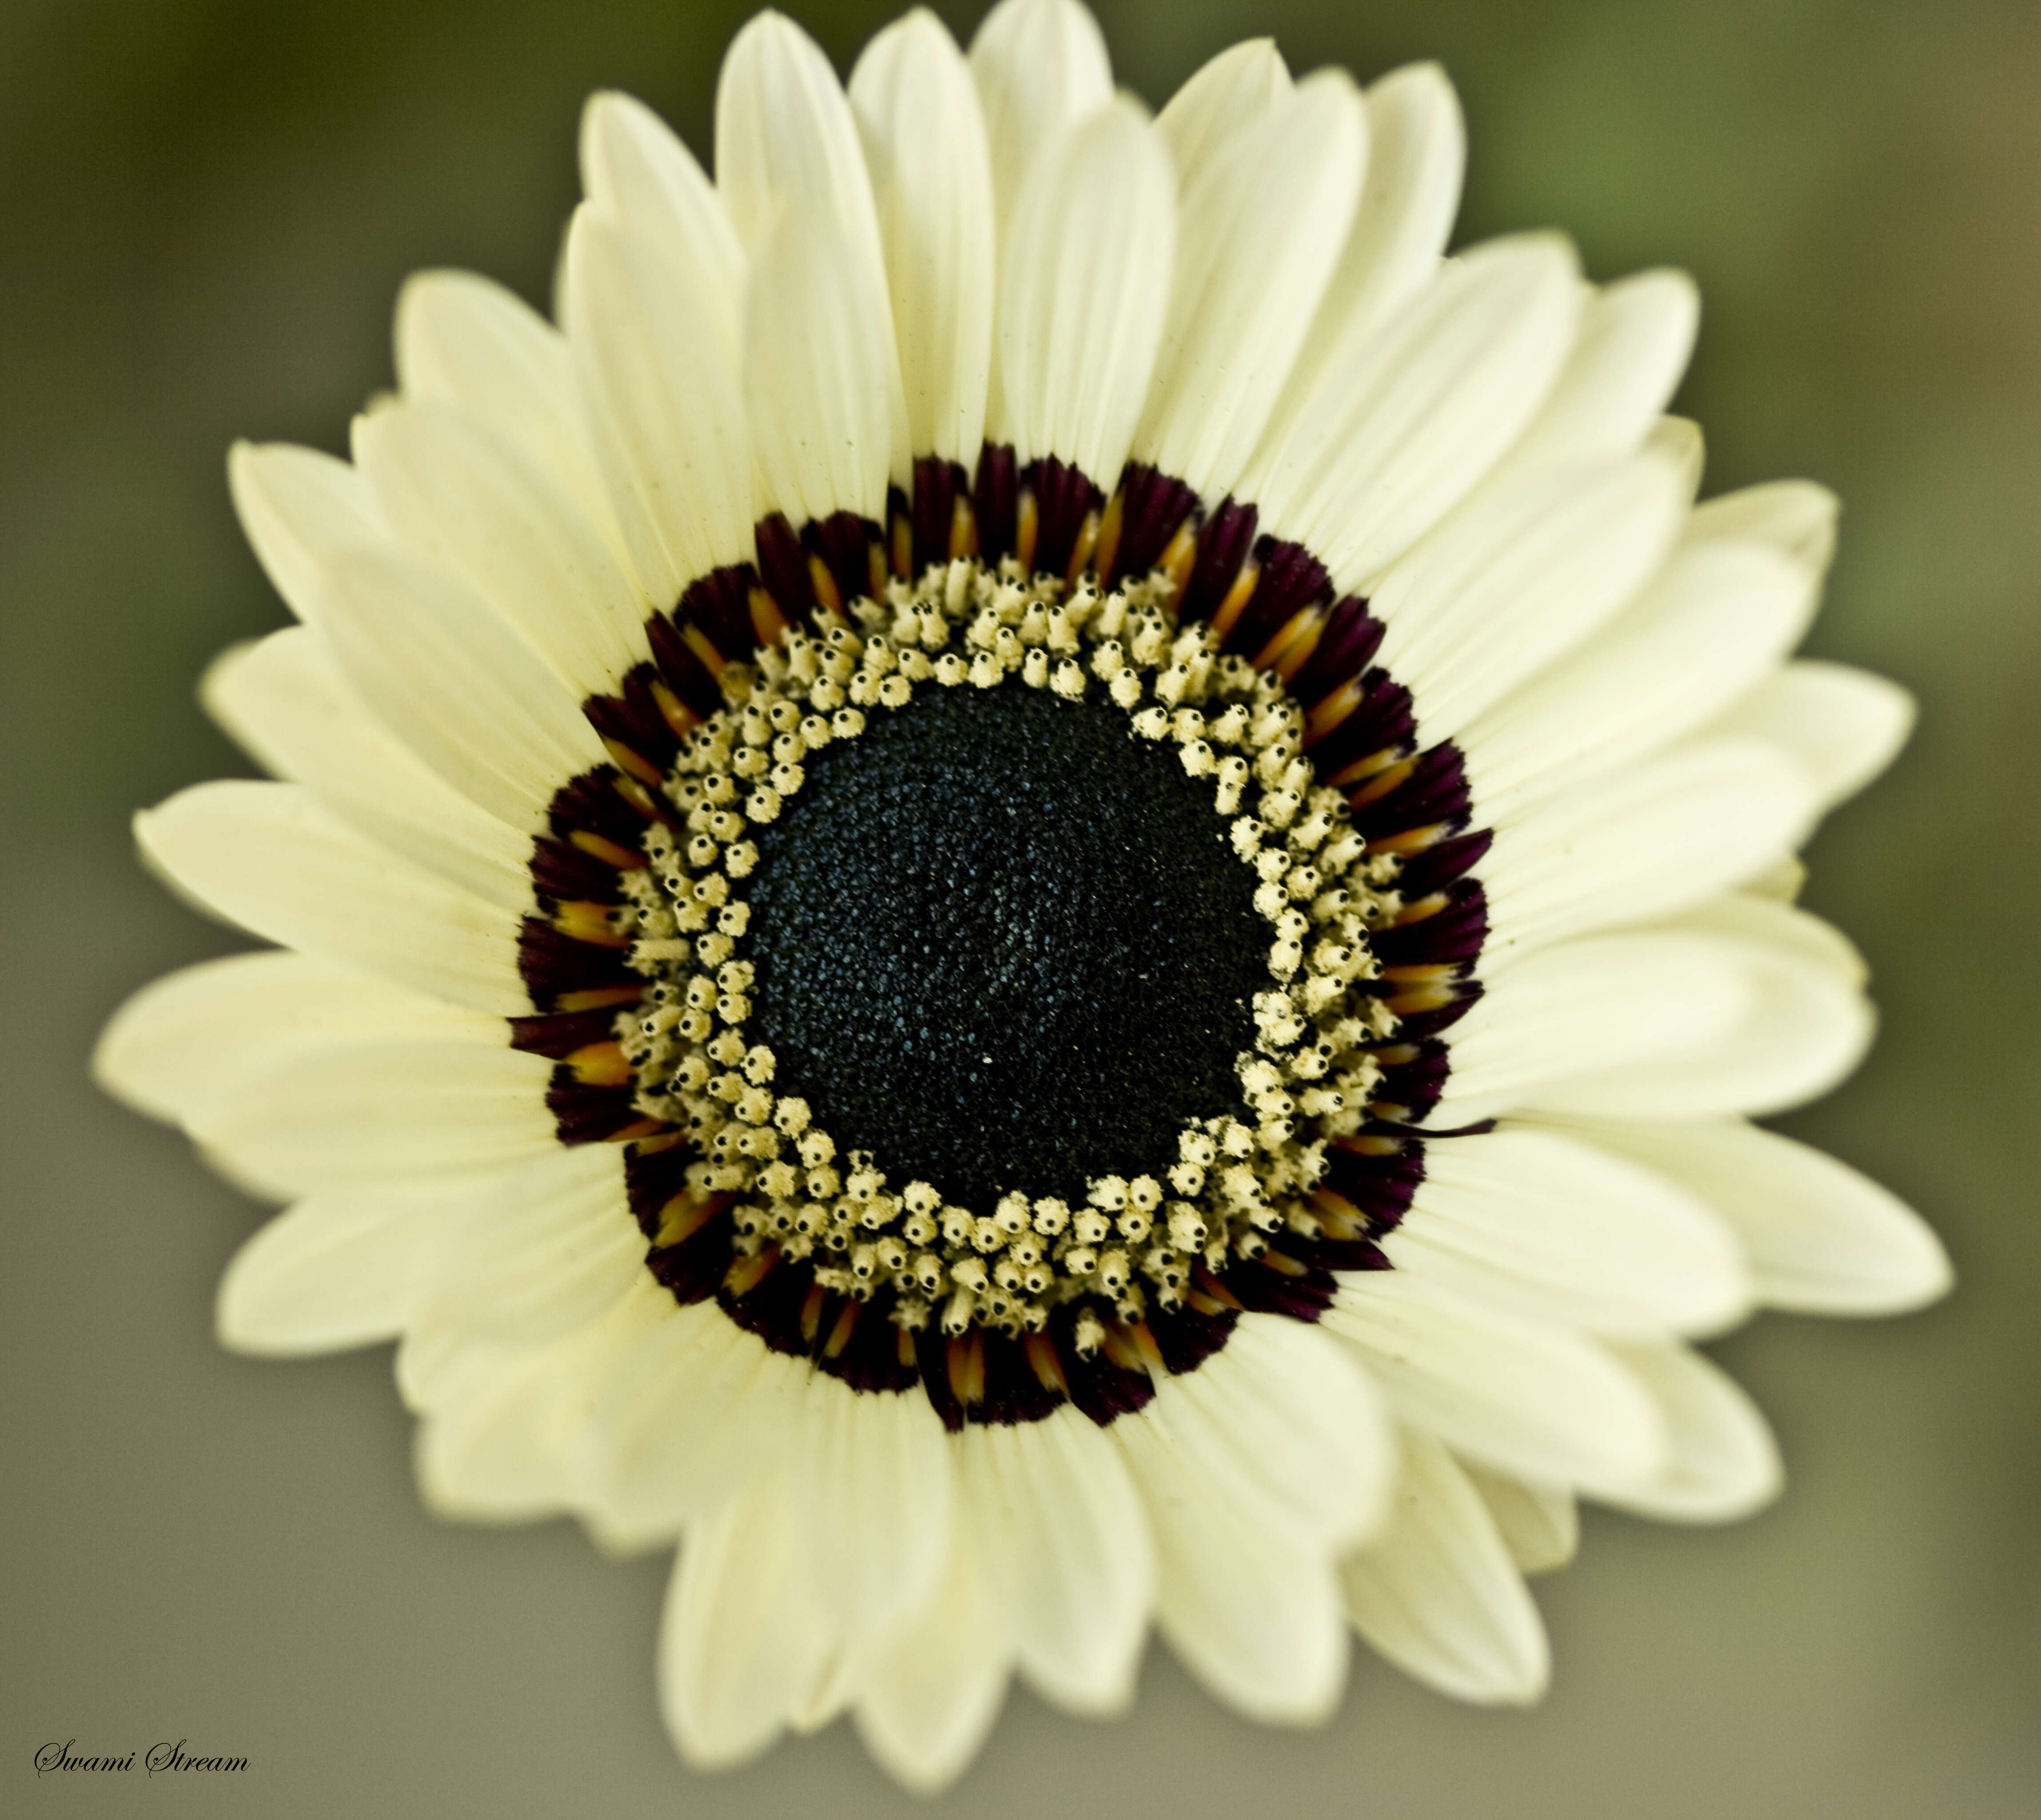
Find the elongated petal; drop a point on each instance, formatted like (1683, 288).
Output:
(1251, 1606)
(1530, 1399)
(287, 703)
(925, 148)
(1391, 438)
(1597, 1009)
(1261, 229)
(301, 509)
(745, 1641)
(1543, 1226)
(1067, 1551)
(1539, 1524)
(1715, 621)
(1821, 1238)
(1671, 832)
(931, 1695)
(638, 172)
(1041, 68)
(1797, 517)
(665, 405)
(347, 1267)
(1439, 1595)
(1226, 98)
(870, 1480)
(1804, 1023)
(551, 1249)
(185, 1043)
(819, 352)
(268, 856)
(1842, 726)
(1634, 340)
(466, 503)
(1416, 155)
(465, 341)
(459, 686)
(1721, 1461)
(699, 1407)
(1083, 287)
(1518, 579)
(384, 1110)
(1300, 1420)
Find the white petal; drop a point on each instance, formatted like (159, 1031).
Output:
(1066, 1552)
(268, 856)
(924, 146)
(1634, 340)
(286, 703)
(1803, 1024)
(1822, 1238)
(459, 686)
(638, 172)
(1439, 1595)
(932, 1694)
(1084, 283)
(1546, 1227)
(870, 1476)
(1392, 437)
(1418, 153)
(1251, 1606)
(1666, 833)
(1226, 97)
(497, 1444)
(1597, 1007)
(818, 354)
(1721, 1463)
(664, 402)
(744, 1641)
(1842, 726)
(1678, 440)
(688, 1419)
(1301, 1422)
(1539, 1524)
(345, 1268)
(1715, 619)
(466, 342)
(1261, 228)
(185, 1043)
(1530, 1399)
(550, 1248)
(380, 1110)
(1519, 577)
(466, 503)
(786, 140)
(1797, 517)
(1041, 68)
(300, 509)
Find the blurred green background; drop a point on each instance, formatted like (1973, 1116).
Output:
(205, 208)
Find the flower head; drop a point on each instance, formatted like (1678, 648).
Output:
(1042, 887)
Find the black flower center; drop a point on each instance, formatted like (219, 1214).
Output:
(1001, 944)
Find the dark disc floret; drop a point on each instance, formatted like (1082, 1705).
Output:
(1002, 941)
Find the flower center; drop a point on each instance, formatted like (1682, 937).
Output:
(1000, 944)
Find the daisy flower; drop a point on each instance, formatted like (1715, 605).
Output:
(1042, 888)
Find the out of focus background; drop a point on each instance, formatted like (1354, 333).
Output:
(206, 207)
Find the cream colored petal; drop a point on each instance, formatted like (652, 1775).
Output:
(1722, 1463)
(1439, 1595)
(286, 703)
(1261, 229)
(1797, 517)
(1842, 726)
(1226, 98)
(925, 148)
(1041, 68)
(1084, 283)
(300, 509)
(1539, 1524)
(269, 857)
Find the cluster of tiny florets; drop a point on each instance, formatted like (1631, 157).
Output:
(1234, 1180)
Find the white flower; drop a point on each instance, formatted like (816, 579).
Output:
(1042, 888)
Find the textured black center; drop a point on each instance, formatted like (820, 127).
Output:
(1001, 943)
